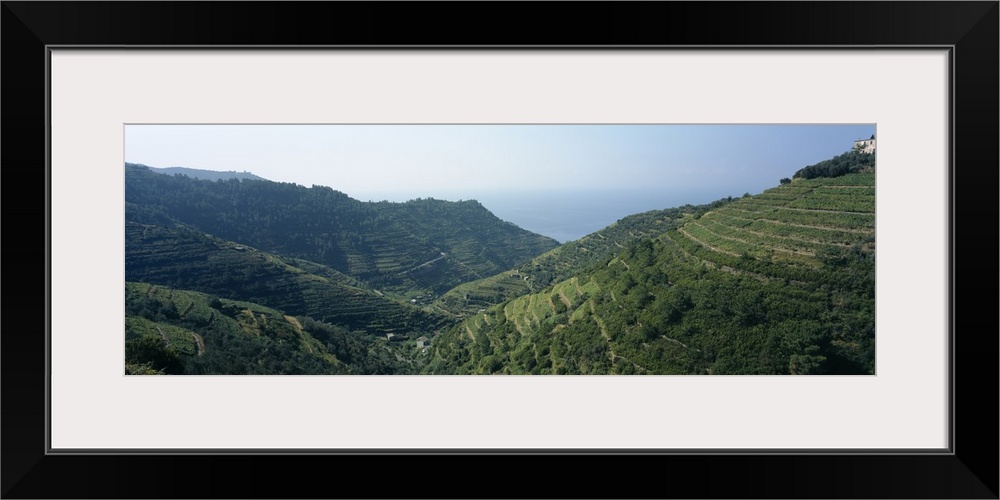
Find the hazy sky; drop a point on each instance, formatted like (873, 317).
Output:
(400, 162)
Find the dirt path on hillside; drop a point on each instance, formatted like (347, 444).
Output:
(678, 342)
(564, 299)
(187, 310)
(166, 342)
(199, 342)
(467, 268)
(612, 355)
(292, 320)
(512, 319)
(538, 320)
(414, 268)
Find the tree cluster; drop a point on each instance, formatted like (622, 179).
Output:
(849, 162)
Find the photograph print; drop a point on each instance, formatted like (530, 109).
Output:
(500, 249)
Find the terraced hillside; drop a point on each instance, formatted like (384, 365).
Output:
(788, 231)
(171, 331)
(561, 262)
(419, 248)
(778, 283)
(183, 258)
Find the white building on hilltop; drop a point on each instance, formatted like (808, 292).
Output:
(866, 146)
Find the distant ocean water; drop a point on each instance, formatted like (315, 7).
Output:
(568, 216)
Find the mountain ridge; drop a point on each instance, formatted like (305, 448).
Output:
(381, 243)
(776, 283)
(202, 174)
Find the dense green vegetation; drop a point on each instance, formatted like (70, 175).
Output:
(169, 331)
(755, 286)
(564, 261)
(257, 277)
(422, 247)
(346, 270)
(180, 257)
(847, 163)
(211, 175)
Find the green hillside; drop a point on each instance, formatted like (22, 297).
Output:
(420, 248)
(181, 257)
(211, 175)
(782, 282)
(170, 331)
(561, 262)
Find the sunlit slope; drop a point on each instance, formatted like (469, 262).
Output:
(802, 225)
(561, 262)
(172, 331)
(782, 282)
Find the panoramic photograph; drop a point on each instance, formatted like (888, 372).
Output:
(500, 249)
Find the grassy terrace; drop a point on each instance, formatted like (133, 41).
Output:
(787, 230)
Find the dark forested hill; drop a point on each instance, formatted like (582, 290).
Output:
(420, 248)
(210, 175)
(782, 282)
(184, 258)
(847, 163)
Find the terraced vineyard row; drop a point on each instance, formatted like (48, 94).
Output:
(781, 244)
(527, 335)
(771, 235)
(561, 262)
(377, 243)
(656, 308)
(186, 259)
(743, 264)
(176, 331)
(758, 285)
(847, 190)
(831, 219)
(859, 180)
(865, 204)
(787, 230)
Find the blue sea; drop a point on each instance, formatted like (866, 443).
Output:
(571, 215)
(568, 215)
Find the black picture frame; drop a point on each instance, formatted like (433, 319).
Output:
(969, 28)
